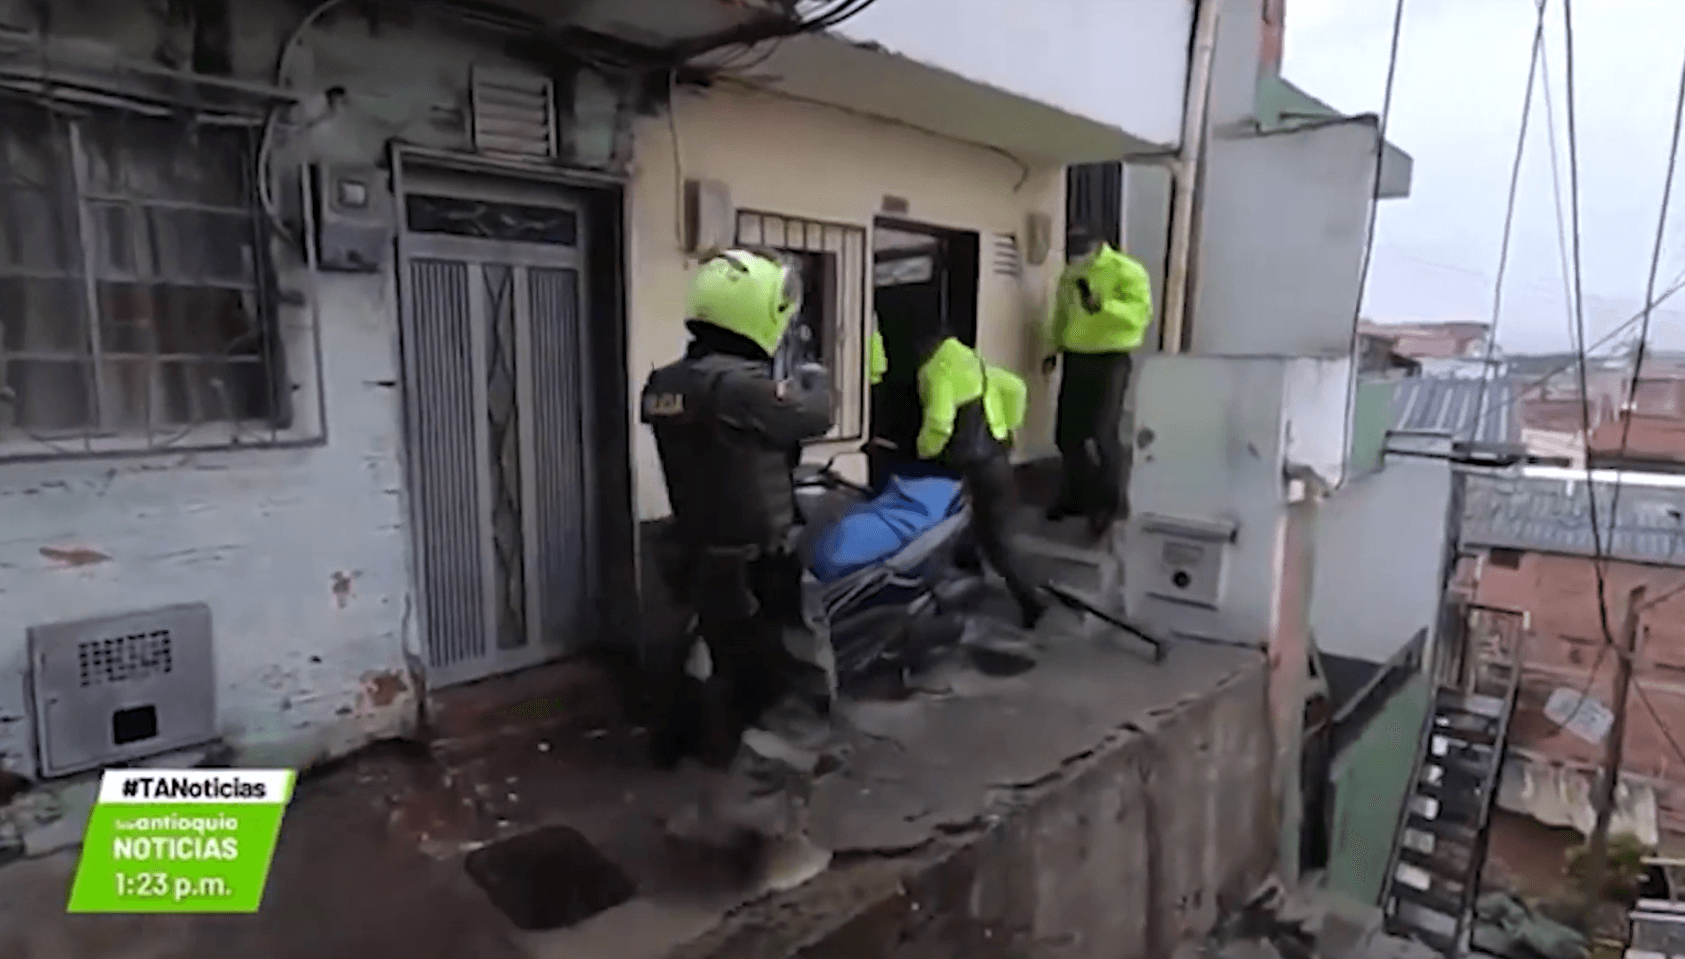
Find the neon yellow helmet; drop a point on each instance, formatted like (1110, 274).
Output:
(751, 294)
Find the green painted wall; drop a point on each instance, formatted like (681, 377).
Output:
(1370, 779)
(1371, 418)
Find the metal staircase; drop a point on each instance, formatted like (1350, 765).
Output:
(1439, 848)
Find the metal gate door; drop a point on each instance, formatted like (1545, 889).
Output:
(496, 395)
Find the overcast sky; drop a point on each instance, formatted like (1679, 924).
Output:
(1456, 109)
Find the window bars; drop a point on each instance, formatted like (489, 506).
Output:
(137, 295)
(833, 258)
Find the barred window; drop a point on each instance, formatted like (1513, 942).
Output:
(831, 327)
(135, 290)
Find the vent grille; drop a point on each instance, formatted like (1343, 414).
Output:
(119, 688)
(122, 659)
(513, 113)
(1008, 260)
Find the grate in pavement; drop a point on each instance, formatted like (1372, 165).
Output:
(550, 878)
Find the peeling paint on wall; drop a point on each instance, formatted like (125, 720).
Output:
(74, 556)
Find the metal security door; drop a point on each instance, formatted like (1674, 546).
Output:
(496, 395)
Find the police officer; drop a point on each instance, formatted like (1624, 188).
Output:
(1101, 310)
(725, 429)
(971, 410)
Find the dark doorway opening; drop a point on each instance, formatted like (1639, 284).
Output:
(1094, 199)
(920, 274)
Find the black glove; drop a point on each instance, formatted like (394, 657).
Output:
(811, 376)
(1089, 303)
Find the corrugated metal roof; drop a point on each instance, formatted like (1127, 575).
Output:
(1450, 404)
(1552, 516)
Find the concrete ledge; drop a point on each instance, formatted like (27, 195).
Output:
(1132, 848)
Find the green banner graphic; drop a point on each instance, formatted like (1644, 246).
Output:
(181, 840)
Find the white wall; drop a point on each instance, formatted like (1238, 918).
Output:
(1216, 447)
(1122, 63)
(1281, 236)
(1380, 547)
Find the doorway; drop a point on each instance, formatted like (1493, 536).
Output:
(919, 273)
(498, 391)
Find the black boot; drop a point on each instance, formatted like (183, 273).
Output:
(1031, 609)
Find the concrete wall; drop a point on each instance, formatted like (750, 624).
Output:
(810, 161)
(1066, 57)
(1214, 438)
(1210, 448)
(1140, 847)
(1380, 546)
(1281, 234)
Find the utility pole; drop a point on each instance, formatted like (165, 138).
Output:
(1597, 848)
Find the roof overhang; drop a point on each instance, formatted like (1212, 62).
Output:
(869, 80)
(1282, 105)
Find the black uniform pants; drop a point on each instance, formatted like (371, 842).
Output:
(753, 615)
(1090, 418)
(994, 500)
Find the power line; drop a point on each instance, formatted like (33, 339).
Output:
(1519, 394)
(1509, 210)
(1599, 557)
(1632, 388)
(1556, 193)
(1374, 216)
(1649, 292)
(1580, 317)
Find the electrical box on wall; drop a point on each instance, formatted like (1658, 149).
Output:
(354, 217)
(710, 221)
(124, 687)
(1190, 554)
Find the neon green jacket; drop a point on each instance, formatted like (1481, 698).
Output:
(1126, 305)
(953, 377)
(880, 360)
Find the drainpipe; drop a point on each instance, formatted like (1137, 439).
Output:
(1186, 169)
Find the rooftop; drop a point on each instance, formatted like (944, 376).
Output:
(1547, 511)
(1658, 439)
(1452, 405)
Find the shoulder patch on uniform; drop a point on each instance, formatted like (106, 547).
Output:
(664, 404)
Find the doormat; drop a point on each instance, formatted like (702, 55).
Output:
(550, 878)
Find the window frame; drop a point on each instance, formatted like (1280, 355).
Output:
(845, 250)
(289, 353)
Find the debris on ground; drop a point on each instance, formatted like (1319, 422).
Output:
(1305, 923)
(1505, 926)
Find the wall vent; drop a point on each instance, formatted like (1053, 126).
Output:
(1007, 259)
(512, 113)
(123, 687)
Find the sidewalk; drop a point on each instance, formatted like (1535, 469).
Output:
(370, 862)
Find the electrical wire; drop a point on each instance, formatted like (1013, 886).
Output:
(1522, 392)
(1374, 216)
(1556, 192)
(1509, 212)
(1599, 560)
(1632, 389)
(1649, 293)
(1599, 557)
(266, 141)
